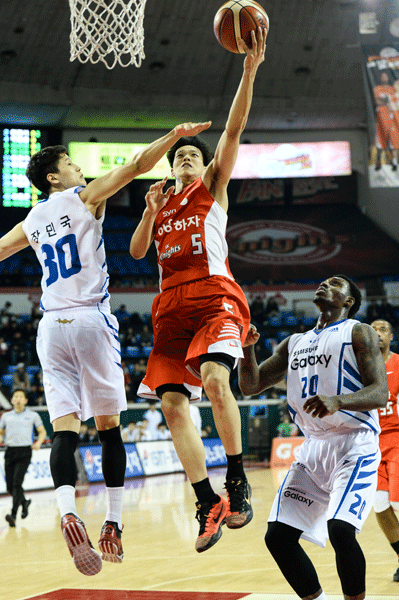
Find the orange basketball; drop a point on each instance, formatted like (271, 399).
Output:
(236, 19)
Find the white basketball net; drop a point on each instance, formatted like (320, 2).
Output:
(107, 30)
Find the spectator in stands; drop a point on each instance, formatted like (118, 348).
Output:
(18, 346)
(129, 432)
(5, 312)
(387, 312)
(136, 322)
(4, 355)
(373, 312)
(287, 428)
(83, 435)
(154, 418)
(143, 433)
(123, 316)
(206, 431)
(136, 375)
(37, 396)
(272, 308)
(92, 434)
(146, 338)
(21, 379)
(257, 308)
(163, 432)
(130, 338)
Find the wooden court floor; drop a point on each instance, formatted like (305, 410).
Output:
(160, 561)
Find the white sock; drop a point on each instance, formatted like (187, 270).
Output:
(321, 597)
(114, 505)
(65, 495)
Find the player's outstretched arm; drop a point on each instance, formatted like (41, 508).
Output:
(373, 375)
(155, 200)
(13, 241)
(222, 165)
(253, 379)
(100, 189)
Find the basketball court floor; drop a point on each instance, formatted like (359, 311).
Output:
(160, 561)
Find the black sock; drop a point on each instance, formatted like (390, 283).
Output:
(235, 468)
(204, 492)
(62, 460)
(113, 457)
(395, 546)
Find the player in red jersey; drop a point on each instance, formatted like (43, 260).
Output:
(387, 495)
(201, 317)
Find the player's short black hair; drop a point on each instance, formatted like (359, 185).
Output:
(355, 293)
(196, 141)
(41, 164)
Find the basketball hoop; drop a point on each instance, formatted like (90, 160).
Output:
(110, 31)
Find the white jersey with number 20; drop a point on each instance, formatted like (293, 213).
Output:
(322, 361)
(69, 245)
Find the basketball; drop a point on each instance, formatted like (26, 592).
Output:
(236, 19)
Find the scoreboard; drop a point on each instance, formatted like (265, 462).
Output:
(18, 144)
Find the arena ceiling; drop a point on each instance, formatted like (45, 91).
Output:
(311, 79)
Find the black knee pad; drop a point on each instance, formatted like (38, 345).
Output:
(341, 533)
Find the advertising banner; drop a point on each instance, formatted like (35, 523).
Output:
(382, 73)
(284, 450)
(38, 476)
(91, 457)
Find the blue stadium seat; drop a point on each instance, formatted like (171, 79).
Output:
(11, 369)
(308, 321)
(275, 321)
(132, 352)
(7, 380)
(32, 369)
(146, 351)
(281, 335)
(291, 321)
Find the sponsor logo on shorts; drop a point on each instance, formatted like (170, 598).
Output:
(63, 321)
(297, 496)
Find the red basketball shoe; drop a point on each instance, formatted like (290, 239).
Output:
(110, 543)
(86, 559)
(211, 517)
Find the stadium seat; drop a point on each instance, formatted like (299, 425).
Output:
(281, 335)
(308, 321)
(7, 380)
(146, 351)
(32, 369)
(11, 369)
(132, 352)
(291, 321)
(275, 321)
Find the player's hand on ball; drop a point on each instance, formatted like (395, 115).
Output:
(156, 198)
(252, 336)
(321, 406)
(256, 54)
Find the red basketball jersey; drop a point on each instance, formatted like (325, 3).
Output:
(389, 416)
(190, 237)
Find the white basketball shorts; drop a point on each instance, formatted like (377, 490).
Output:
(79, 352)
(332, 478)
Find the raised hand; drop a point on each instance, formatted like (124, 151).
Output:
(156, 198)
(256, 54)
(252, 336)
(191, 129)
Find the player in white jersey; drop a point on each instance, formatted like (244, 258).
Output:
(336, 379)
(77, 342)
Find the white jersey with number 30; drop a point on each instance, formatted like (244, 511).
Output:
(69, 245)
(322, 361)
